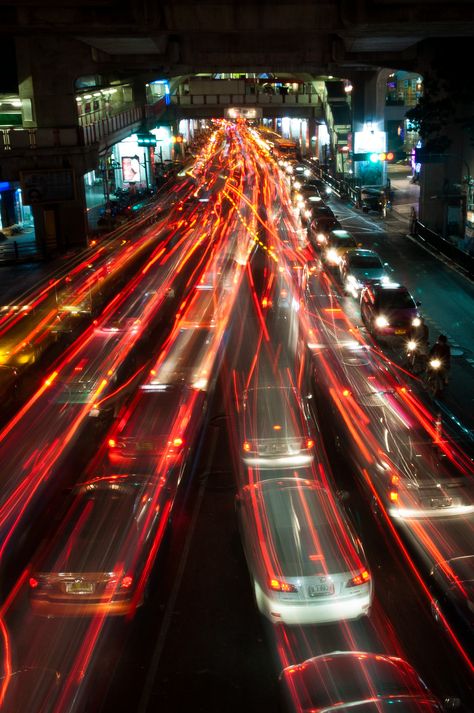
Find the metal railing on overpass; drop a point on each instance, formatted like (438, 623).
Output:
(39, 138)
(257, 99)
(436, 242)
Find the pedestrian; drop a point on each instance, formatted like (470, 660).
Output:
(413, 220)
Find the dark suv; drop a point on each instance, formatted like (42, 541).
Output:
(388, 309)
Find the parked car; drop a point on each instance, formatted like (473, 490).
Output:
(373, 198)
(359, 267)
(353, 681)
(388, 310)
(306, 564)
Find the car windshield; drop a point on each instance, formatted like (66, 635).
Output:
(327, 222)
(366, 262)
(341, 242)
(391, 299)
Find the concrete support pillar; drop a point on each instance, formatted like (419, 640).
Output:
(312, 136)
(47, 68)
(444, 192)
(368, 98)
(60, 226)
(139, 91)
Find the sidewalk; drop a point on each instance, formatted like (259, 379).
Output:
(406, 195)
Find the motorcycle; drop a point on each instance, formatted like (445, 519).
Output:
(435, 377)
(415, 356)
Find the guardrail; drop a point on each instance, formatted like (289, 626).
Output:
(436, 242)
(14, 251)
(341, 187)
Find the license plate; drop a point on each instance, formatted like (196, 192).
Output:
(441, 502)
(318, 590)
(79, 587)
(400, 331)
(145, 446)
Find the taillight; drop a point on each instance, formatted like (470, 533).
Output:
(126, 582)
(359, 579)
(309, 443)
(178, 441)
(279, 586)
(393, 495)
(112, 443)
(246, 446)
(33, 583)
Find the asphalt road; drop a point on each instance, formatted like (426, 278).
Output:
(200, 643)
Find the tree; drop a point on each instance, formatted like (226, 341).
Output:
(447, 97)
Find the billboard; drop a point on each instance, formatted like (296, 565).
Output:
(243, 112)
(47, 186)
(370, 141)
(130, 169)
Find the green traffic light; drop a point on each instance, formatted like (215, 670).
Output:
(374, 158)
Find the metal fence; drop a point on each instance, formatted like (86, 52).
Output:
(436, 242)
(14, 251)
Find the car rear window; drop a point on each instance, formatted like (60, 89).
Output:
(93, 533)
(272, 413)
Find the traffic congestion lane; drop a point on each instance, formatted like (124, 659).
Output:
(446, 296)
(204, 623)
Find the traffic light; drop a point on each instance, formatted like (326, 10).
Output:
(380, 156)
(146, 139)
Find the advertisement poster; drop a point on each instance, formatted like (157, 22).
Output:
(130, 169)
(47, 186)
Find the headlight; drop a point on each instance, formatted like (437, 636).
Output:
(381, 321)
(307, 172)
(354, 282)
(332, 256)
(328, 190)
(298, 197)
(297, 185)
(412, 346)
(435, 363)
(307, 214)
(320, 237)
(416, 322)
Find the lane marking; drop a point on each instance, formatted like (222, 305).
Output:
(166, 621)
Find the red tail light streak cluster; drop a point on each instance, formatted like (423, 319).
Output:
(227, 264)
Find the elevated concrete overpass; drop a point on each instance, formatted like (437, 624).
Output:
(58, 41)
